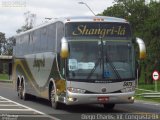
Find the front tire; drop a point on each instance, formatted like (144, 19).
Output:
(53, 98)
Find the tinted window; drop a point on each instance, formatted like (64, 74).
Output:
(51, 37)
(36, 41)
(43, 41)
(60, 34)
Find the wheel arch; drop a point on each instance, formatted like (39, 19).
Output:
(23, 82)
(18, 82)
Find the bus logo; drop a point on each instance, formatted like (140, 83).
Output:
(39, 62)
(104, 90)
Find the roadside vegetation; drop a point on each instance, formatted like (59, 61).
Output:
(147, 88)
(145, 22)
(4, 77)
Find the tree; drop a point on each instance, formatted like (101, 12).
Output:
(145, 22)
(29, 22)
(2, 42)
(10, 43)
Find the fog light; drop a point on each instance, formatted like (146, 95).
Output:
(131, 98)
(72, 99)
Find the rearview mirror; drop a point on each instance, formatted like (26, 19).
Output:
(64, 53)
(142, 48)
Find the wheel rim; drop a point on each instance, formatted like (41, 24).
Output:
(20, 92)
(23, 93)
(53, 99)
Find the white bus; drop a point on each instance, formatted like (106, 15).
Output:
(78, 60)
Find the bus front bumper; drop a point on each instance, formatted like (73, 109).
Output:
(116, 98)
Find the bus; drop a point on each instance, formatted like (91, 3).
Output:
(78, 60)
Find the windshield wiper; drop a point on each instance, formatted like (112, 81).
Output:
(113, 67)
(92, 71)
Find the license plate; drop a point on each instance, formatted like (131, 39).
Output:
(103, 99)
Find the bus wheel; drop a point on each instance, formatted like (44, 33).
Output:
(19, 92)
(22, 94)
(108, 106)
(53, 98)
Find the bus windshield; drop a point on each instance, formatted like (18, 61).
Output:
(100, 51)
(118, 60)
(83, 58)
(100, 60)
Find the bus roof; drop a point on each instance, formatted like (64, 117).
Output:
(94, 18)
(78, 19)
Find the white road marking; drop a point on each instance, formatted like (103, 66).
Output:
(151, 104)
(26, 108)
(15, 110)
(7, 105)
(147, 103)
(32, 116)
(4, 101)
(2, 98)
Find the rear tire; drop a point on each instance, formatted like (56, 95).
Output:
(108, 106)
(21, 92)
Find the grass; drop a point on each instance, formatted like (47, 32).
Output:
(150, 87)
(4, 77)
(138, 96)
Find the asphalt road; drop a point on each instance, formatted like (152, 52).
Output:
(12, 108)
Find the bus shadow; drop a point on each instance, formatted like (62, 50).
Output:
(38, 100)
(91, 108)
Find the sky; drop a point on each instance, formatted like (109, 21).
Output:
(12, 11)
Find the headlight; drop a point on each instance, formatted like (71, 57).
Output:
(76, 90)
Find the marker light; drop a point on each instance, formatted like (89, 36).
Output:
(98, 19)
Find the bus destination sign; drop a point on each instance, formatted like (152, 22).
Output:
(98, 29)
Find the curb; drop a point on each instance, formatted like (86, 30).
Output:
(6, 81)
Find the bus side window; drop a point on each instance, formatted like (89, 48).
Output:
(43, 41)
(30, 43)
(60, 34)
(51, 37)
(25, 43)
(17, 46)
